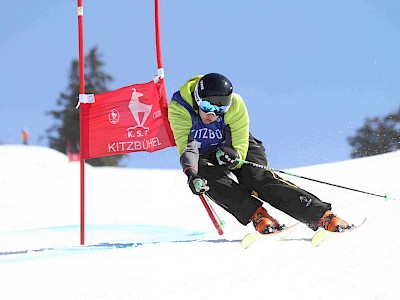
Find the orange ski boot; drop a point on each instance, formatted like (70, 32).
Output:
(264, 223)
(331, 222)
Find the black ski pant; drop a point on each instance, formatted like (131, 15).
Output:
(236, 197)
(226, 192)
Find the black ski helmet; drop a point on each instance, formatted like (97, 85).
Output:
(214, 88)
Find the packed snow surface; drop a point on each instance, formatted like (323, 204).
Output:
(148, 237)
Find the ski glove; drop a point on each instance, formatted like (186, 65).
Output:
(198, 184)
(227, 156)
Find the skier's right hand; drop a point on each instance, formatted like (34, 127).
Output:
(197, 184)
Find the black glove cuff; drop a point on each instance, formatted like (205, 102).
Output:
(190, 171)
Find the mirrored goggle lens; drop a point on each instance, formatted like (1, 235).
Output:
(207, 107)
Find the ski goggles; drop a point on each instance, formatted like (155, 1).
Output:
(209, 108)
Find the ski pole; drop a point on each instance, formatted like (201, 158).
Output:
(199, 185)
(220, 221)
(386, 196)
(211, 215)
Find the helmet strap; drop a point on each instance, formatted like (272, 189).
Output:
(196, 94)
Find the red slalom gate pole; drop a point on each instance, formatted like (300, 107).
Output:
(81, 143)
(211, 215)
(157, 27)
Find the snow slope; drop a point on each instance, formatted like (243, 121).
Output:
(148, 237)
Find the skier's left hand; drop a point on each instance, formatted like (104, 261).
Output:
(227, 156)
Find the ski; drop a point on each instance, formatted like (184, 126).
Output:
(254, 237)
(323, 235)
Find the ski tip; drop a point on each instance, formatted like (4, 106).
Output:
(319, 237)
(323, 235)
(249, 239)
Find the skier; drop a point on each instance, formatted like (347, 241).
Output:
(25, 136)
(210, 124)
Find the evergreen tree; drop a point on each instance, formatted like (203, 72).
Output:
(66, 129)
(377, 136)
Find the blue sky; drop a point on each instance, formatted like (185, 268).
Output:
(309, 71)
